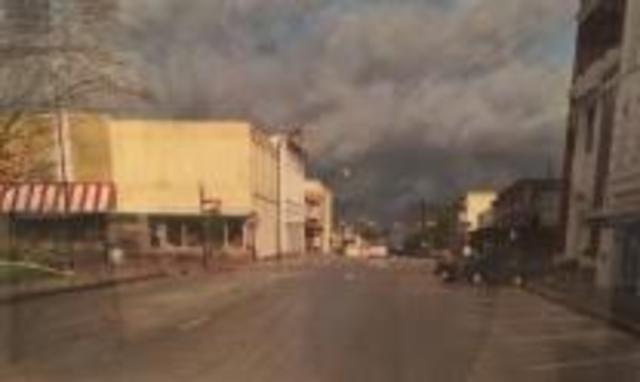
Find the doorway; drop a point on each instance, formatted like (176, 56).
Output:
(630, 272)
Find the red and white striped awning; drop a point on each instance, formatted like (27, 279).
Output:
(55, 198)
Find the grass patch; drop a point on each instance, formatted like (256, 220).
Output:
(18, 272)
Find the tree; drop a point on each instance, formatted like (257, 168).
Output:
(25, 148)
(57, 55)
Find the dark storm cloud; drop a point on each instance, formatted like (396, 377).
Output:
(420, 97)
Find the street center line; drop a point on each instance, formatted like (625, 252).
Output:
(193, 324)
(586, 363)
(582, 335)
(543, 320)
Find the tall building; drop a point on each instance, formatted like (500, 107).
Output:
(602, 184)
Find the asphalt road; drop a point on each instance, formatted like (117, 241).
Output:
(321, 320)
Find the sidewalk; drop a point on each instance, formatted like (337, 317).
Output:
(621, 312)
(19, 291)
(133, 273)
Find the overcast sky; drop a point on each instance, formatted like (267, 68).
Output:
(421, 98)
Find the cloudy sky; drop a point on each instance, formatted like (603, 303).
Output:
(420, 98)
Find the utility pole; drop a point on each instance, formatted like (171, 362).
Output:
(205, 226)
(423, 216)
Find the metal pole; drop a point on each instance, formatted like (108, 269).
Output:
(62, 125)
(203, 225)
(280, 202)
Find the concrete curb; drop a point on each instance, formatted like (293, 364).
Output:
(229, 267)
(103, 284)
(591, 310)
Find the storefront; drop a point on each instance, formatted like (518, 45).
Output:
(61, 224)
(77, 224)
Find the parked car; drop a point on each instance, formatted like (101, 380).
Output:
(447, 267)
(501, 268)
(485, 268)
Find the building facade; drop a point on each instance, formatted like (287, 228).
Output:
(319, 216)
(291, 186)
(602, 199)
(165, 169)
(471, 207)
(528, 202)
(527, 218)
(177, 186)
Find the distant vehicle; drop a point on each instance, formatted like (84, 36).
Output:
(397, 250)
(447, 267)
(484, 269)
(500, 268)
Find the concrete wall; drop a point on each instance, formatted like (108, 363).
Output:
(319, 201)
(291, 178)
(623, 188)
(581, 200)
(89, 154)
(160, 166)
(264, 190)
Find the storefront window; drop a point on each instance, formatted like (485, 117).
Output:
(154, 233)
(194, 233)
(174, 233)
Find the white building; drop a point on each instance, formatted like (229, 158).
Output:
(291, 191)
(602, 161)
(472, 205)
(319, 216)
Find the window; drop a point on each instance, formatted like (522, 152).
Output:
(590, 129)
(154, 234)
(174, 233)
(193, 233)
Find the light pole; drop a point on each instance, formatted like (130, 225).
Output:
(341, 175)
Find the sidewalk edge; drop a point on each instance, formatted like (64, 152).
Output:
(103, 284)
(624, 324)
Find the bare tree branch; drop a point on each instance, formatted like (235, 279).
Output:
(53, 61)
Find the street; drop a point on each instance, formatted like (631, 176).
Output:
(313, 320)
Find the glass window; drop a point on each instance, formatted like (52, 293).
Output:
(174, 233)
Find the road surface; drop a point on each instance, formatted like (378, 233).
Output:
(321, 320)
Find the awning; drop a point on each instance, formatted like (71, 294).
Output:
(57, 198)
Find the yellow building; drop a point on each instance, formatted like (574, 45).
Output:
(473, 205)
(164, 170)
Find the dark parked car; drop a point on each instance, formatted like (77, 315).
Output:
(447, 268)
(486, 268)
(501, 268)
